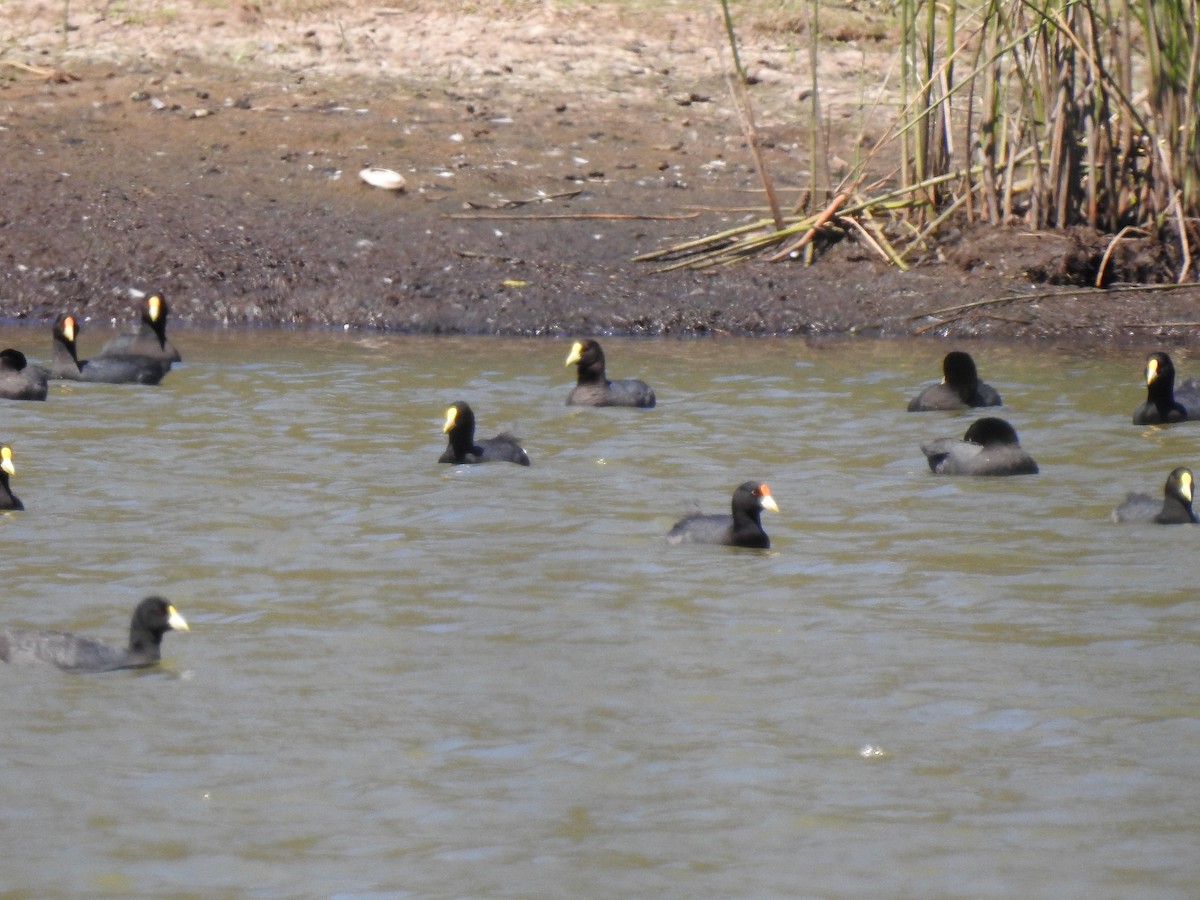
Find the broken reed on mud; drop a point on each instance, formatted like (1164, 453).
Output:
(1044, 113)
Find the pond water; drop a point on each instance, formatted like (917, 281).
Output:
(411, 679)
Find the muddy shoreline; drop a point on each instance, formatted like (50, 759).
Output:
(234, 191)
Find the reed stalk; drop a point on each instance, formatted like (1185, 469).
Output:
(727, 16)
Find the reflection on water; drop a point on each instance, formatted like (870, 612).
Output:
(421, 680)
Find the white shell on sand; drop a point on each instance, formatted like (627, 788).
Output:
(382, 178)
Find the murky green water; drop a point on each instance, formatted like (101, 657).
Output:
(406, 679)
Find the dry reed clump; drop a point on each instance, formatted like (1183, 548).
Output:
(1047, 114)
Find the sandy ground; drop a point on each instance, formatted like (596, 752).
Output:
(212, 153)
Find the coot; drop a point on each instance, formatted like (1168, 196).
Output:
(741, 529)
(1163, 403)
(463, 448)
(19, 381)
(8, 500)
(592, 387)
(1175, 507)
(959, 388)
(150, 340)
(105, 369)
(990, 447)
(153, 618)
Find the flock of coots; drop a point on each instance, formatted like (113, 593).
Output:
(989, 447)
(742, 528)
(142, 357)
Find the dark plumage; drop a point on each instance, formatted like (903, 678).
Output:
(592, 387)
(990, 447)
(1175, 508)
(150, 340)
(153, 618)
(959, 388)
(8, 500)
(18, 381)
(1163, 403)
(741, 529)
(108, 370)
(463, 448)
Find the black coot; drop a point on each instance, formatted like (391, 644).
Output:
(108, 370)
(153, 618)
(592, 387)
(990, 447)
(8, 500)
(463, 448)
(741, 529)
(150, 340)
(19, 381)
(1175, 507)
(960, 387)
(1163, 403)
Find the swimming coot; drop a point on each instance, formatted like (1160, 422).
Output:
(463, 448)
(592, 387)
(741, 529)
(959, 388)
(1163, 403)
(990, 447)
(150, 340)
(103, 369)
(19, 381)
(1175, 507)
(8, 500)
(153, 618)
